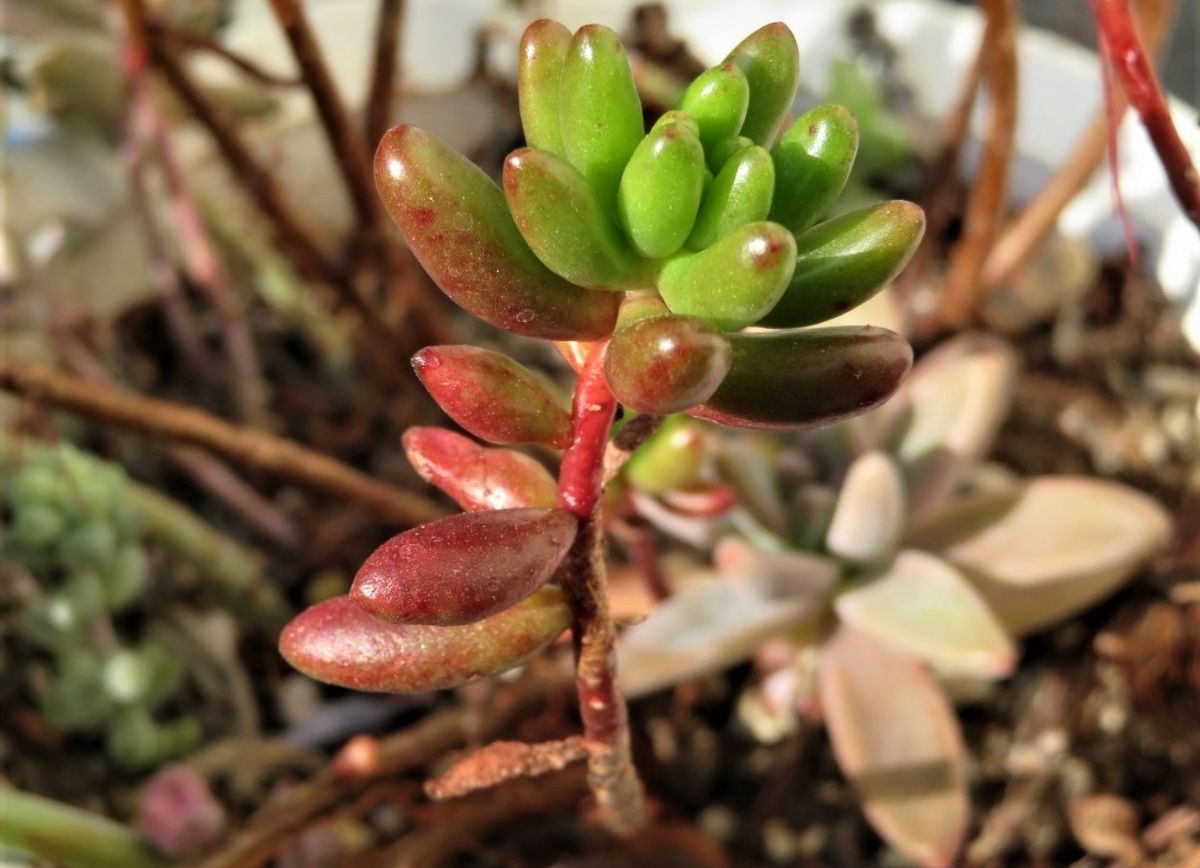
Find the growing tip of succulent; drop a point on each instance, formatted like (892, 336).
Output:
(465, 567)
(341, 643)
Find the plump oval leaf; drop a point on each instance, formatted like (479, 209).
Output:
(672, 459)
(786, 380)
(870, 514)
(771, 61)
(478, 479)
(660, 190)
(897, 741)
(665, 364)
(564, 223)
(921, 605)
(464, 567)
(601, 114)
(543, 54)
(341, 643)
(493, 396)
(717, 99)
(457, 223)
(750, 464)
(736, 281)
(1048, 547)
(844, 261)
(739, 194)
(812, 162)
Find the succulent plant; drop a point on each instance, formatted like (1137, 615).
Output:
(73, 527)
(900, 562)
(645, 255)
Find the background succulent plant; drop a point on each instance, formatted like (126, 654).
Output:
(900, 561)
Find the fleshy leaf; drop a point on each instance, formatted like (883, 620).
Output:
(748, 463)
(844, 261)
(771, 61)
(456, 222)
(662, 364)
(870, 513)
(601, 114)
(957, 398)
(341, 643)
(478, 479)
(493, 396)
(460, 569)
(717, 99)
(896, 739)
(1049, 547)
(661, 188)
(812, 162)
(739, 194)
(924, 607)
(705, 627)
(543, 53)
(786, 380)
(566, 225)
(671, 459)
(736, 281)
(785, 574)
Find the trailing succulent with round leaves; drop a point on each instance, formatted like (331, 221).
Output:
(876, 568)
(648, 250)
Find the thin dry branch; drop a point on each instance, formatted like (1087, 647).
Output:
(985, 206)
(203, 42)
(383, 70)
(1024, 234)
(503, 761)
(255, 449)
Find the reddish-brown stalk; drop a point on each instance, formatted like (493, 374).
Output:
(1120, 41)
(611, 774)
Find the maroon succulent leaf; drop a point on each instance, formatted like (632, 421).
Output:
(456, 221)
(477, 478)
(341, 643)
(465, 567)
(493, 396)
(665, 364)
(798, 378)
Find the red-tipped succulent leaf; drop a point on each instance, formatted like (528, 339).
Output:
(465, 567)
(341, 643)
(477, 478)
(493, 396)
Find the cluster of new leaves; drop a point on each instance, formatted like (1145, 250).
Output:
(71, 526)
(658, 247)
(896, 565)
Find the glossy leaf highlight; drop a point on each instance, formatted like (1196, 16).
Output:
(660, 190)
(812, 162)
(478, 479)
(771, 61)
(543, 54)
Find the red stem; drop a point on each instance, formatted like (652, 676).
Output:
(1119, 37)
(611, 774)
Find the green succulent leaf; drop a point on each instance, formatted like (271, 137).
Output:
(562, 220)
(718, 100)
(771, 61)
(660, 190)
(457, 223)
(812, 162)
(672, 459)
(740, 193)
(844, 261)
(543, 55)
(601, 114)
(800, 378)
(735, 282)
(870, 513)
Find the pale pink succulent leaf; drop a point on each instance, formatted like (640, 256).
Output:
(921, 605)
(896, 739)
(870, 513)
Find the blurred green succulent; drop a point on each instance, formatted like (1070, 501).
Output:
(71, 525)
(890, 563)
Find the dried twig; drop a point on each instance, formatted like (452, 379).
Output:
(961, 294)
(204, 42)
(383, 70)
(256, 449)
(271, 828)
(1119, 36)
(1024, 234)
(503, 761)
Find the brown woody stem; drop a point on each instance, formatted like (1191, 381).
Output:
(383, 69)
(611, 775)
(1119, 36)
